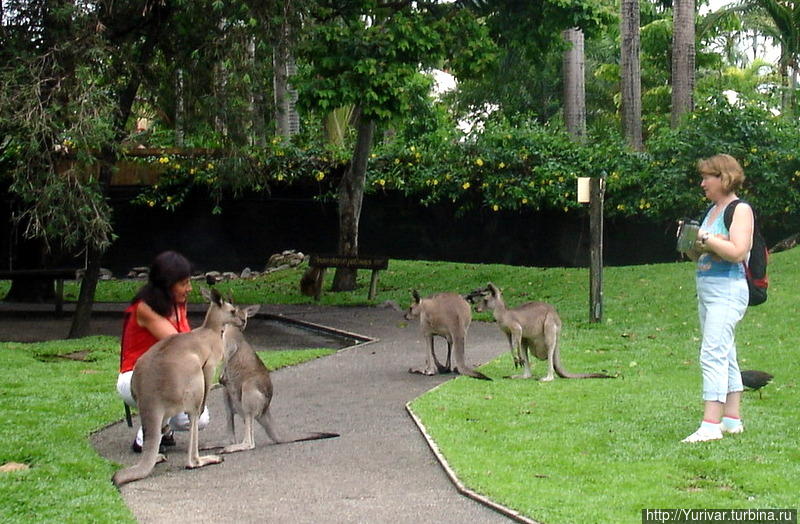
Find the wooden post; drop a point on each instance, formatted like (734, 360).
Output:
(596, 249)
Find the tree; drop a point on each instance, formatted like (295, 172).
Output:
(574, 92)
(683, 56)
(70, 77)
(630, 73)
(369, 55)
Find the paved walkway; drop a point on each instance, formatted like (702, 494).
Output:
(379, 470)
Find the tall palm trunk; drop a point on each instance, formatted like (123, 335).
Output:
(683, 53)
(630, 72)
(574, 84)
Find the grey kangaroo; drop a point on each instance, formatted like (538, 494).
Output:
(533, 327)
(174, 376)
(446, 315)
(248, 389)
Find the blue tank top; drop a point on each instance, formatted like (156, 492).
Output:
(711, 265)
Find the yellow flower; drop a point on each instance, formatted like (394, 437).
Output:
(193, 171)
(754, 150)
(382, 182)
(280, 177)
(396, 160)
(176, 166)
(465, 185)
(502, 165)
(412, 148)
(209, 166)
(169, 198)
(151, 203)
(495, 208)
(163, 160)
(478, 162)
(319, 176)
(621, 207)
(435, 182)
(524, 200)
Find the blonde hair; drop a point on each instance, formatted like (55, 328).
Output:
(726, 167)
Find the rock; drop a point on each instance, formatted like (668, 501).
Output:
(246, 273)
(230, 275)
(13, 466)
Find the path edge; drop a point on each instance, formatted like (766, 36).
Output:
(451, 474)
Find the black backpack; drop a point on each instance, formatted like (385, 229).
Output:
(755, 268)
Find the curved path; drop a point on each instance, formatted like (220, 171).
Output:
(379, 470)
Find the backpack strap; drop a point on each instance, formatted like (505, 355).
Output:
(730, 210)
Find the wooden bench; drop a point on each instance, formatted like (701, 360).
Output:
(376, 264)
(59, 275)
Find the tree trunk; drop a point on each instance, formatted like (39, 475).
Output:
(180, 108)
(351, 195)
(256, 136)
(683, 52)
(287, 121)
(574, 89)
(630, 72)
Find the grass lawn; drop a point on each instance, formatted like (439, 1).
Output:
(565, 451)
(49, 406)
(602, 450)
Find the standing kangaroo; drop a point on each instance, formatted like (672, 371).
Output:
(174, 376)
(447, 315)
(248, 389)
(532, 327)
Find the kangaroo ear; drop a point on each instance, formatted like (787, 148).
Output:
(252, 310)
(216, 297)
(493, 289)
(415, 294)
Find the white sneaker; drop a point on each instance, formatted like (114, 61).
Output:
(703, 435)
(732, 431)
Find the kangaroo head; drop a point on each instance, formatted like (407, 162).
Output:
(221, 311)
(487, 299)
(245, 312)
(415, 308)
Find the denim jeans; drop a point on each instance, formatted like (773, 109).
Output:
(722, 302)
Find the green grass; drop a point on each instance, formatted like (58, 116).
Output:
(602, 450)
(48, 408)
(565, 451)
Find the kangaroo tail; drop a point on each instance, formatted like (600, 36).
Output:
(312, 436)
(150, 454)
(461, 366)
(563, 373)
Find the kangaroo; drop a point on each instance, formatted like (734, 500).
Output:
(248, 389)
(447, 315)
(311, 282)
(174, 376)
(532, 327)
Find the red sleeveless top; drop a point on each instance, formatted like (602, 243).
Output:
(136, 340)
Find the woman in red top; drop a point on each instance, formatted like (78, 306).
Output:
(157, 311)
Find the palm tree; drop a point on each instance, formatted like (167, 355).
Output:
(630, 72)
(683, 53)
(783, 27)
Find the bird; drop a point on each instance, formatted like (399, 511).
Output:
(755, 380)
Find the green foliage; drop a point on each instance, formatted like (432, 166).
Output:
(374, 65)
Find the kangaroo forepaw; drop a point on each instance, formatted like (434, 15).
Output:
(423, 371)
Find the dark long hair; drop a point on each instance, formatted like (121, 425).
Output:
(167, 269)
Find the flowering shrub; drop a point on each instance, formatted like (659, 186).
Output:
(513, 167)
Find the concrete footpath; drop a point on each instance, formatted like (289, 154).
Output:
(379, 470)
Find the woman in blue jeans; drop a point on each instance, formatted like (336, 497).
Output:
(722, 296)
